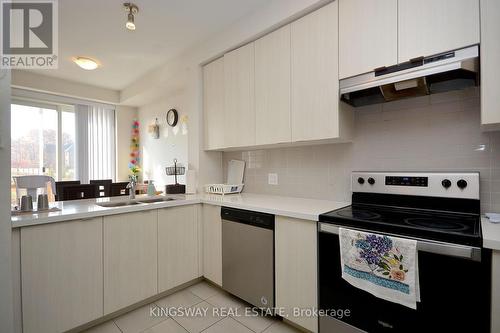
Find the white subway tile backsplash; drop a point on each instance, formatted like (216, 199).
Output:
(431, 133)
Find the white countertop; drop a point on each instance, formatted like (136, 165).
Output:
(491, 234)
(84, 209)
(300, 208)
(307, 209)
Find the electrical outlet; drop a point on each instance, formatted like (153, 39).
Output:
(272, 179)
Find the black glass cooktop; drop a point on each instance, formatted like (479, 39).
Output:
(441, 226)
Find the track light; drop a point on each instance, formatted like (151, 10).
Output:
(132, 11)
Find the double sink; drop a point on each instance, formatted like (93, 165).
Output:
(133, 202)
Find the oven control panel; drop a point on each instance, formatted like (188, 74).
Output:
(433, 184)
(406, 181)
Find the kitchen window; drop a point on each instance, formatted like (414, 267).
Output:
(43, 140)
(64, 141)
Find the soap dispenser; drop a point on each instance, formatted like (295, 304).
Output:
(151, 188)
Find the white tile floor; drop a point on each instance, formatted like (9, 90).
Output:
(201, 297)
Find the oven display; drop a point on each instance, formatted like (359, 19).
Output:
(407, 181)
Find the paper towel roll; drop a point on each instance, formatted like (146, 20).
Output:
(191, 182)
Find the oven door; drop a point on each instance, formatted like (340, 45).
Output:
(454, 291)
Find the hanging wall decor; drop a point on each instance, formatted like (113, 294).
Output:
(154, 129)
(134, 150)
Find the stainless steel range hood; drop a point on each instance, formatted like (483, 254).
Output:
(447, 71)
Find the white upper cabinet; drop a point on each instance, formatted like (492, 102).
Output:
(427, 27)
(368, 35)
(213, 103)
(239, 108)
(272, 87)
(490, 71)
(280, 89)
(315, 79)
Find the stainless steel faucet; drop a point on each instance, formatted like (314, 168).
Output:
(131, 186)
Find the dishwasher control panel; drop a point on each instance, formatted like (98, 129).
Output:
(257, 219)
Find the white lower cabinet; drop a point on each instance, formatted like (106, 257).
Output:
(130, 258)
(212, 244)
(77, 271)
(178, 253)
(62, 275)
(296, 269)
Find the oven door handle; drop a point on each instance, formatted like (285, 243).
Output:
(447, 249)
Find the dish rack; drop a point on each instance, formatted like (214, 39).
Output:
(235, 171)
(223, 188)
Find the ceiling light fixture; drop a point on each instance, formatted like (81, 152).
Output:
(86, 63)
(132, 10)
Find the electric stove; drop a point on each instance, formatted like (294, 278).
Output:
(441, 211)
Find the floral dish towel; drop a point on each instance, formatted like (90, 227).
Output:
(386, 267)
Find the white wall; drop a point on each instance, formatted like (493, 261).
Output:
(125, 115)
(6, 312)
(184, 73)
(173, 142)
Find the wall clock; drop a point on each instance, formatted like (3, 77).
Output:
(172, 117)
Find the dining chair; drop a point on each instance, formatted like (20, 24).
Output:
(61, 184)
(103, 187)
(78, 192)
(118, 189)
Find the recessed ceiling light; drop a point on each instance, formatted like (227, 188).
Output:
(86, 63)
(132, 10)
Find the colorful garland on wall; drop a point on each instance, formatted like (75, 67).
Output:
(134, 150)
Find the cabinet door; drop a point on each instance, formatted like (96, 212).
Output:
(62, 276)
(213, 104)
(315, 84)
(239, 108)
(177, 246)
(490, 71)
(212, 244)
(272, 87)
(296, 268)
(130, 258)
(368, 35)
(427, 27)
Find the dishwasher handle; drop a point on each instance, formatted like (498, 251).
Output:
(258, 219)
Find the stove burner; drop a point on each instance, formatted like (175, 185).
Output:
(359, 214)
(435, 223)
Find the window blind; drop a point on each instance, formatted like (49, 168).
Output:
(96, 142)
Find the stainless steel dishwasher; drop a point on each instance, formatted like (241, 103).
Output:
(248, 255)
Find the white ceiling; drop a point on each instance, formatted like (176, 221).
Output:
(165, 28)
